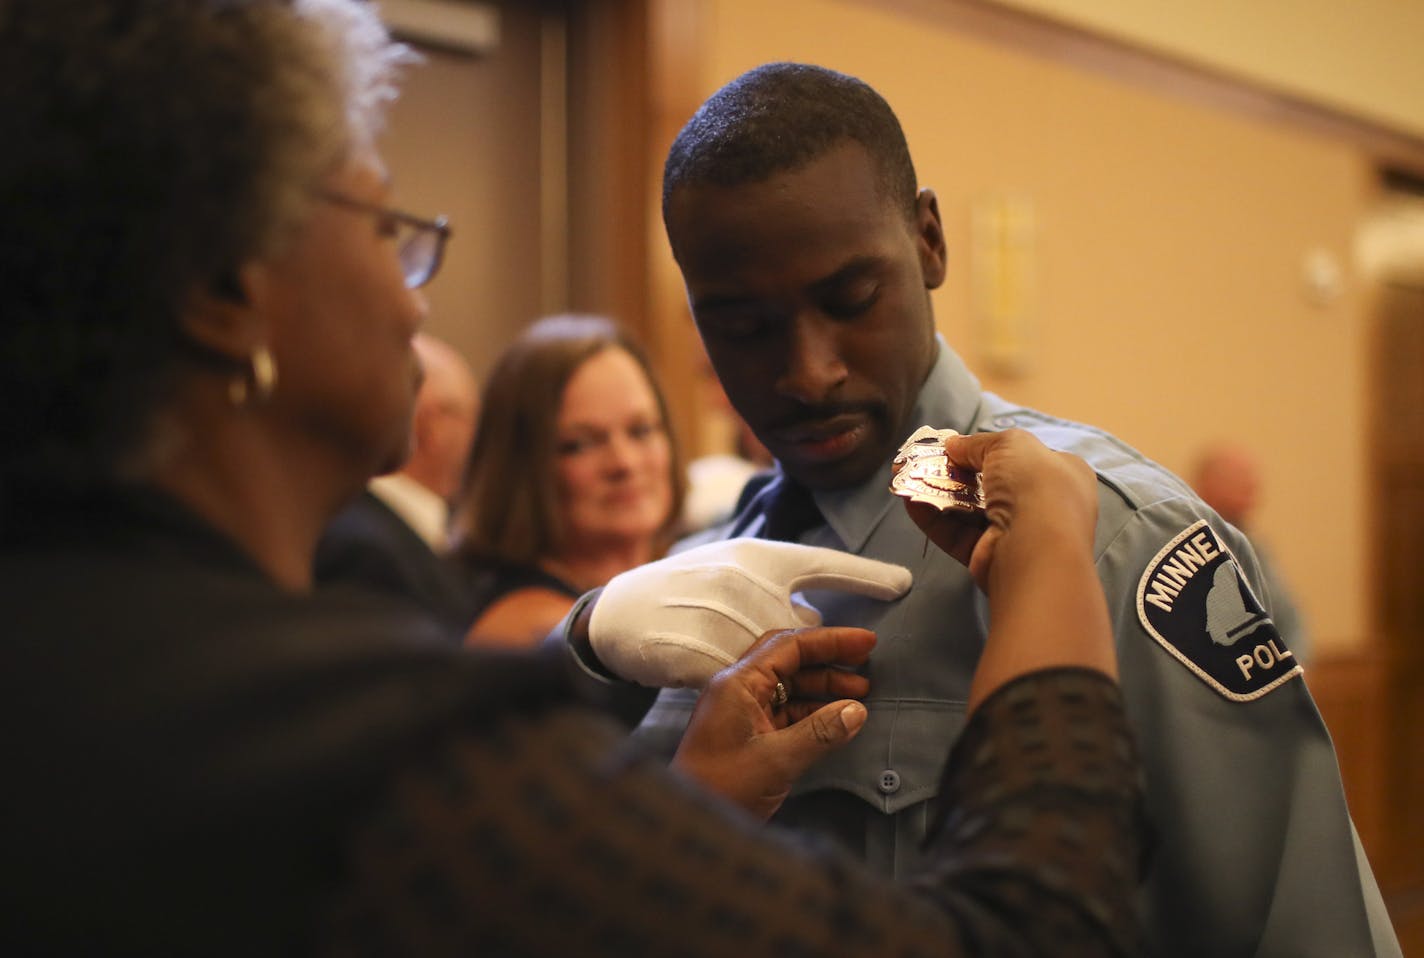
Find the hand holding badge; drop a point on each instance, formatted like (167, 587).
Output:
(923, 474)
(1030, 487)
(946, 501)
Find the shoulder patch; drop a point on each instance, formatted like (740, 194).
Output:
(1195, 602)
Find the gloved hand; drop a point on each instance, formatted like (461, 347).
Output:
(678, 621)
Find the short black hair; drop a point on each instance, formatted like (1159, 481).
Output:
(779, 117)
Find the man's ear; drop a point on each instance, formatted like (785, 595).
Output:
(221, 316)
(929, 239)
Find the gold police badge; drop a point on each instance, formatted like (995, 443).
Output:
(922, 473)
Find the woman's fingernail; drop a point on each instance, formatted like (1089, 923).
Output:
(853, 717)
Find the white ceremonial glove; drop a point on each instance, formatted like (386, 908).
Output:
(678, 621)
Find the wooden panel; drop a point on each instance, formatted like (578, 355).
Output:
(1401, 869)
(1403, 865)
(1401, 545)
(678, 30)
(1349, 692)
(1407, 911)
(1400, 311)
(1398, 447)
(607, 167)
(1372, 709)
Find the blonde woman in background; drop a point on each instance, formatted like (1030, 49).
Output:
(573, 478)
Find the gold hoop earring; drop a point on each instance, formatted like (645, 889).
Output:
(262, 374)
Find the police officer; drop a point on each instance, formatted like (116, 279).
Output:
(809, 254)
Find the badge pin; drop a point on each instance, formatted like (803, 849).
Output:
(925, 475)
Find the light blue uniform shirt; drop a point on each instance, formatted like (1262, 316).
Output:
(1255, 854)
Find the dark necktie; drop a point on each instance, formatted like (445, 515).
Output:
(791, 512)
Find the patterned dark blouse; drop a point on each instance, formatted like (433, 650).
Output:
(551, 835)
(200, 763)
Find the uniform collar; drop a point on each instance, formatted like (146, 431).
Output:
(950, 397)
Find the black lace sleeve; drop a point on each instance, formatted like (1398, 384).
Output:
(550, 835)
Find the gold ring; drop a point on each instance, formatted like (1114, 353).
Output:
(779, 695)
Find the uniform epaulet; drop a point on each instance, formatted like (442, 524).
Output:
(1137, 479)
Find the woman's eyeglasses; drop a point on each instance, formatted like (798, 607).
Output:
(420, 243)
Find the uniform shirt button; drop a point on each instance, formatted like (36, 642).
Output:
(1005, 422)
(889, 782)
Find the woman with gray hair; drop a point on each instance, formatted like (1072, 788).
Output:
(209, 300)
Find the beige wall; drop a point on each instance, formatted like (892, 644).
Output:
(1362, 56)
(1170, 306)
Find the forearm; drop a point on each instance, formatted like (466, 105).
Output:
(548, 836)
(594, 682)
(1046, 609)
(1043, 800)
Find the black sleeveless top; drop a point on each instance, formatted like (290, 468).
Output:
(493, 579)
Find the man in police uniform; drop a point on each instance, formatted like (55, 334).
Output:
(808, 254)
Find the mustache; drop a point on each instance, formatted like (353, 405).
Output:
(805, 416)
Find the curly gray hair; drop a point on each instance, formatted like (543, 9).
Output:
(151, 148)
